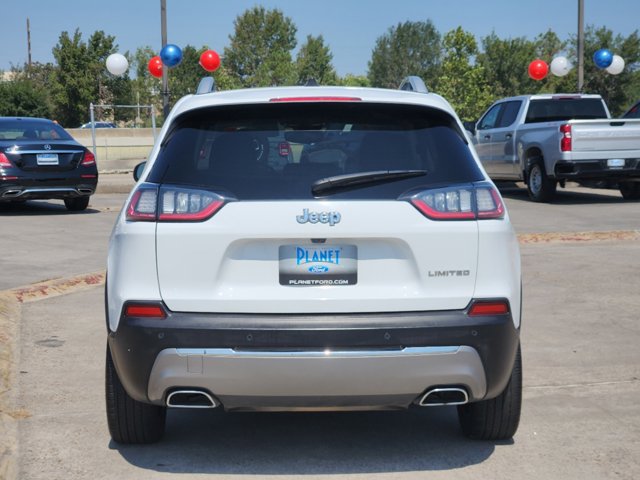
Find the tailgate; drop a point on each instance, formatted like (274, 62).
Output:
(611, 135)
(255, 257)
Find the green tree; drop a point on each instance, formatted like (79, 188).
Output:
(260, 50)
(547, 46)
(409, 48)
(184, 78)
(28, 91)
(506, 63)
(23, 97)
(350, 80)
(146, 89)
(82, 77)
(314, 62)
(461, 83)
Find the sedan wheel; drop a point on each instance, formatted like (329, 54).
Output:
(76, 204)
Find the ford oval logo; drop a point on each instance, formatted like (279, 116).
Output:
(318, 269)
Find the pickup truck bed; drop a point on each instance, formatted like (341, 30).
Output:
(549, 139)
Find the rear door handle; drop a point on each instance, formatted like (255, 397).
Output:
(487, 137)
(508, 136)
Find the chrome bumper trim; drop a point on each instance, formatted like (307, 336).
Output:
(16, 193)
(326, 353)
(290, 380)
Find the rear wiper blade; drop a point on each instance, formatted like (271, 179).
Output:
(362, 179)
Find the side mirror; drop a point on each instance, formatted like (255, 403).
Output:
(470, 126)
(137, 171)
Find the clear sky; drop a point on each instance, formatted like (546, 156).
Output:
(350, 27)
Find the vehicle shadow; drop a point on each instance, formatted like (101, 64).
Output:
(572, 196)
(39, 207)
(213, 442)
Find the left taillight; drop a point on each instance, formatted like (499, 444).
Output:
(465, 202)
(4, 161)
(88, 159)
(152, 203)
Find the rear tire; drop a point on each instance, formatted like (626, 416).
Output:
(630, 190)
(497, 418)
(541, 188)
(130, 421)
(76, 204)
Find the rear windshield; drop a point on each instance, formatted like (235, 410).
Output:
(31, 130)
(277, 151)
(557, 109)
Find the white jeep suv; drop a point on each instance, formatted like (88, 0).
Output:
(313, 248)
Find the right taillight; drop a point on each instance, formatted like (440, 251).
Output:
(152, 203)
(88, 159)
(467, 202)
(481, 308)
(565, 139)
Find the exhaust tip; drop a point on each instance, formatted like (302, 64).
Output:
(12, 193)
(444, 396)
(190, 399)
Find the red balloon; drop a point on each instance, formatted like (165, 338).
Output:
(210, 60)
(538, 69)
(155, 66)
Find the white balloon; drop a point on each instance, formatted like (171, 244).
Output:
(117, 64)
(617, 65)
(560, 66)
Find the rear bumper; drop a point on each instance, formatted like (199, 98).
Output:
(59, 188)
(597, 169)
(383, 360)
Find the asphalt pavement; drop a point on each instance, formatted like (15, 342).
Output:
(581, 411)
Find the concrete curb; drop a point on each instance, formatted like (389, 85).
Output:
(579, 237)
(56, 287)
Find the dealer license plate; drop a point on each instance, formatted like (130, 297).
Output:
(306, 265)
(47, 158)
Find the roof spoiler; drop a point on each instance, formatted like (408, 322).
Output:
(413, 83)
(206, 85)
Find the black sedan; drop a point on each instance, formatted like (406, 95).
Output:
(40, 160)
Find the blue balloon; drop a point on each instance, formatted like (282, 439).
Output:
(171, 55)
(603, 58)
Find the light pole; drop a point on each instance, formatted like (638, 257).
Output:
(165, 77)
(580, 45)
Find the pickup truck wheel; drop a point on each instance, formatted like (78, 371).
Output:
(540, 187)
(497, 418)
(130, 421)
(630, 190)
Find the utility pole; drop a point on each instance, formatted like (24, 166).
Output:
(165, 77)
(580, 45)
(28, 44)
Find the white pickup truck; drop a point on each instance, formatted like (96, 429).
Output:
(545, 140)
